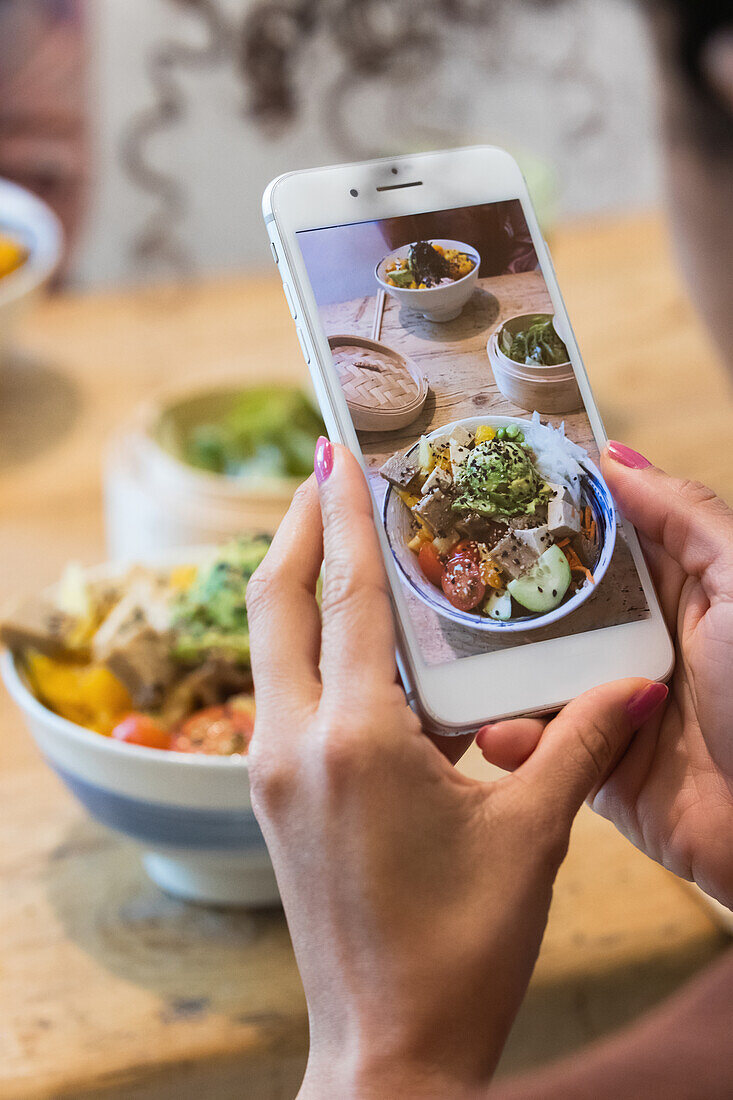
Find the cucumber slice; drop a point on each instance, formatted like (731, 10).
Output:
(499, 606)
(542, 588)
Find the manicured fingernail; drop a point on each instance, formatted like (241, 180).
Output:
(642, 705)
(627, 456)
(323, 462)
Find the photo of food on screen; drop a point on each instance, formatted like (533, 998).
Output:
(455, 369)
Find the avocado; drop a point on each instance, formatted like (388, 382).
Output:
(210, 618)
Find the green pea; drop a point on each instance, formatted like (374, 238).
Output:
(512, 431)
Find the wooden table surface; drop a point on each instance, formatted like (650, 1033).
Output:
(110, 989)
(452, 358)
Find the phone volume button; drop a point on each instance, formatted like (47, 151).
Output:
(274, 252)
(303, 345)
(289, 300)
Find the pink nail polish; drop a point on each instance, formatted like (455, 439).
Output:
(627, 456)
(642, 705)
(323, 462)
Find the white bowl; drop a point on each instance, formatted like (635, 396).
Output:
(191, 814)
(437, 303)
(397, 524)
(35, 225)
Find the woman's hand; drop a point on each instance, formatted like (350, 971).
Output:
(672, 792)
(416, 897)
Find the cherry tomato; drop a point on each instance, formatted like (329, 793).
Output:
(141, 729)
(219, 730)
(430, 563)
(462, 583)
(466, 548)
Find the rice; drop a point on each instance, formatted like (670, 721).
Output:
(557, 457)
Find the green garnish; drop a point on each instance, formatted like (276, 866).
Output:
(210, 618)
(537, 344)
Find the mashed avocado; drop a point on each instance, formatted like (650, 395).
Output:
(210, 618)
(499, 478)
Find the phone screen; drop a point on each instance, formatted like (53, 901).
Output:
(478, 448)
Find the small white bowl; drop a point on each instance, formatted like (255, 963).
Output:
(397, 523)
(437, 303)
(191, 814)
(37, 228)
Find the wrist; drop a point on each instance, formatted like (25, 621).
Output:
(375, 1077)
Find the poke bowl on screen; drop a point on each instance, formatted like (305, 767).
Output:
(427, 264)
(505, 520)
(154, 657)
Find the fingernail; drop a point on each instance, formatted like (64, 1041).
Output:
(642, 705)
(323, 462)
(627, 456)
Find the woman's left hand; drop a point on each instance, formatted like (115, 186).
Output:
(416, 897)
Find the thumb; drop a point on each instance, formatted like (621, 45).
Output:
(685, 518)
(579, 749)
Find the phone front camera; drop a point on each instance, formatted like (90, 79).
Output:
(394, 171)
(353, 192)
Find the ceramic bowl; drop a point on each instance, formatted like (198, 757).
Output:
(35, 225)
(190, 814)
(397, 522)
(438, 303)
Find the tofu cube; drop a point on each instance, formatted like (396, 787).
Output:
(514, 556)
(536, 538)
(438, 479)
(458, 454)
(563, 519)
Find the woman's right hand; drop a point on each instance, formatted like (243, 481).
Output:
(671, 793)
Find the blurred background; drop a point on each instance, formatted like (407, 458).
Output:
(153, 397)
(180, 121)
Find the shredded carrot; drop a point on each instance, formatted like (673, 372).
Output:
(576, 565)
(563, 543)
(592, 531)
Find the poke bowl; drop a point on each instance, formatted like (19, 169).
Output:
(446, 281)
(499, 524)
(111, 711)
(31, 242)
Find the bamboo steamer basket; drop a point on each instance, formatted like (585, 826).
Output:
(382, 394)
(549, 389)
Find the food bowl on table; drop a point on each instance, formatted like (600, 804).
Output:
(531, 364)
(400, 528)
(31, 241)
(199, 465)
(189, 812)
(436, 303)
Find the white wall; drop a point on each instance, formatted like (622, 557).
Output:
(573, 86)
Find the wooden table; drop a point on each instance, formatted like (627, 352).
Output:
(108, 988)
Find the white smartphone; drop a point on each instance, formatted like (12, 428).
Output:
(429, 314)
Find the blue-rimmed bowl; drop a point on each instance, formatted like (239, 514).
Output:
(398, 525)
(191, 814)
